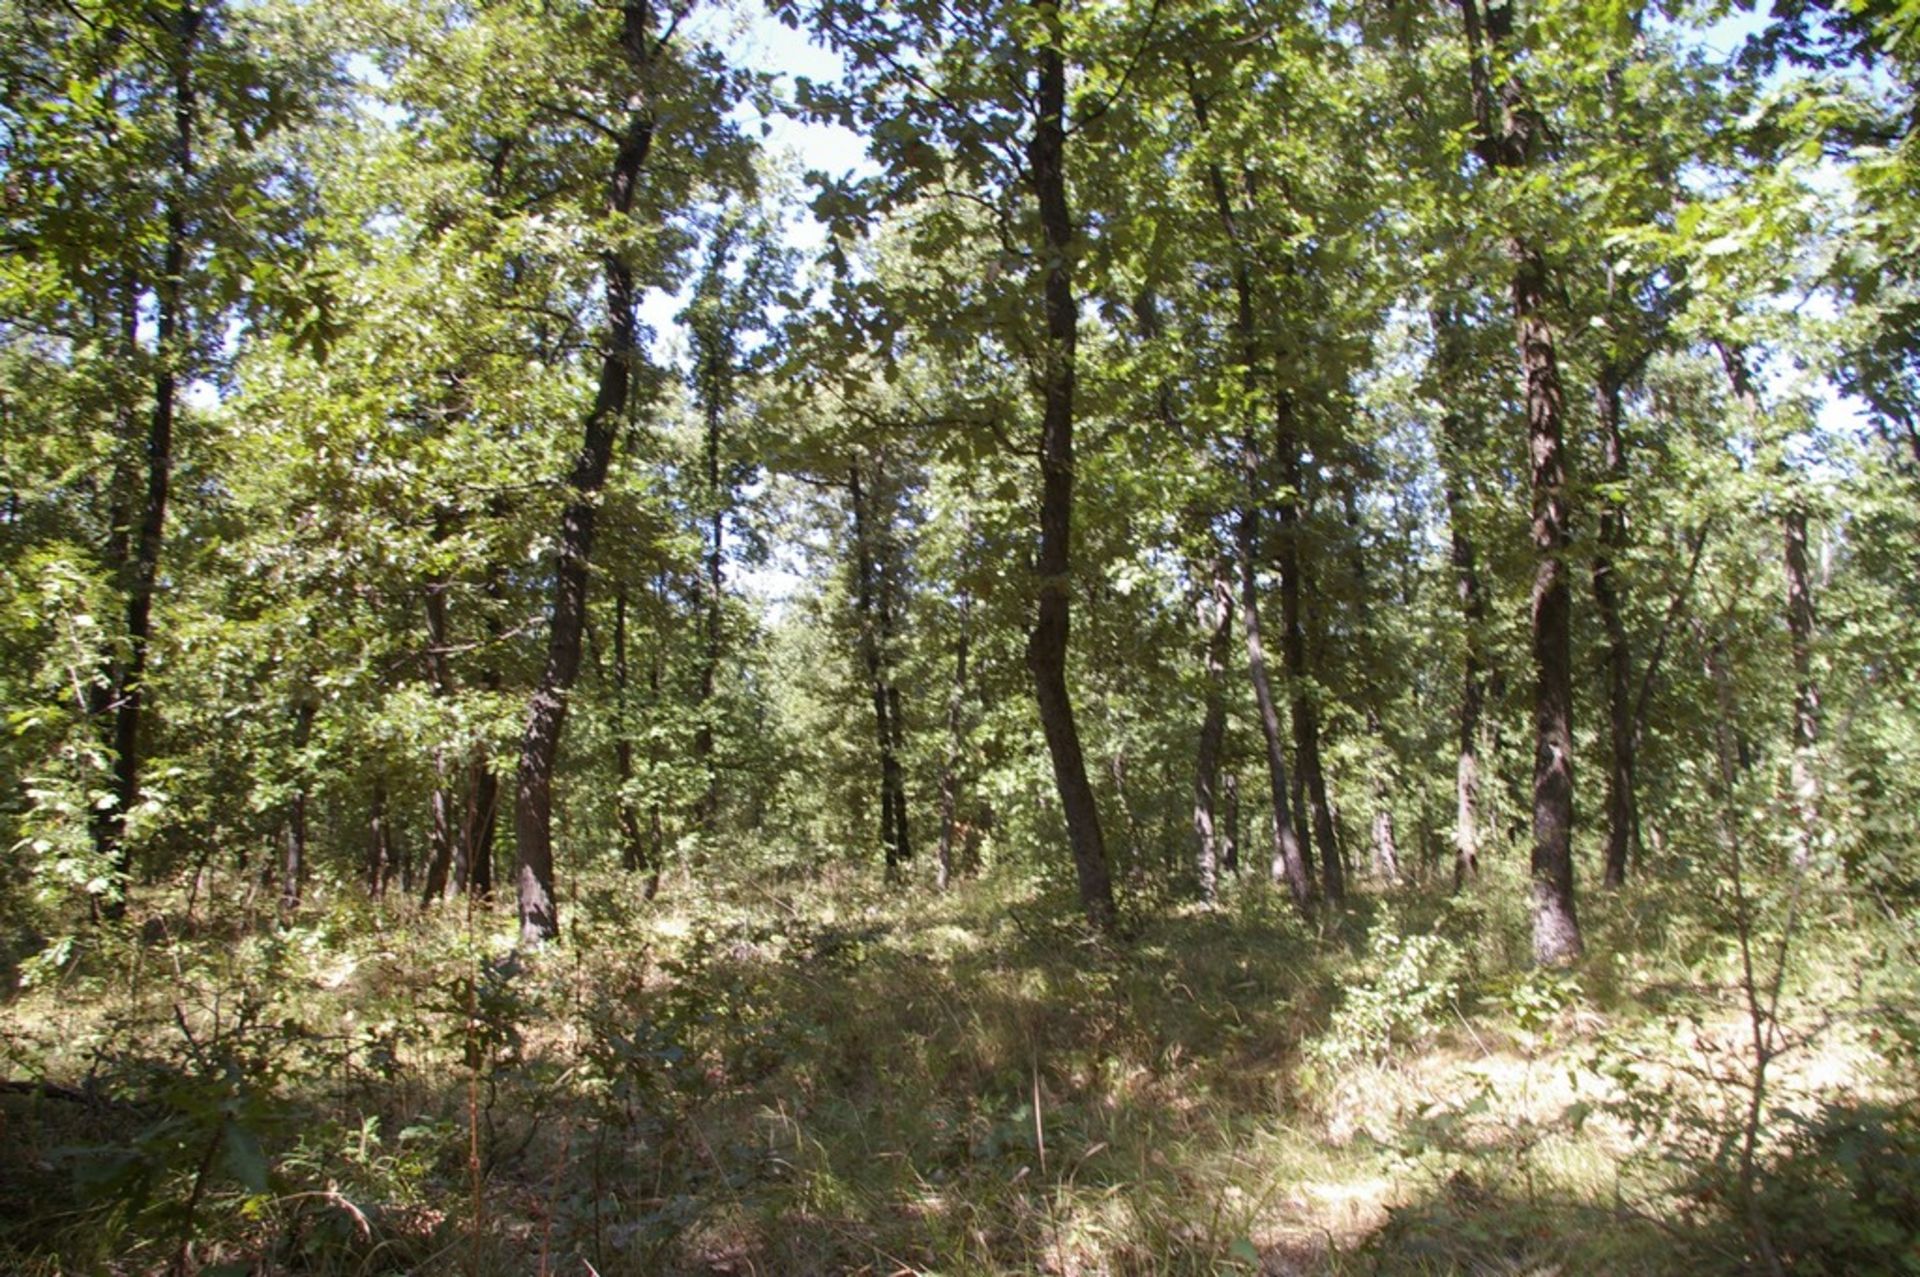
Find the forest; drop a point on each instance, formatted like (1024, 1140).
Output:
(959, 637)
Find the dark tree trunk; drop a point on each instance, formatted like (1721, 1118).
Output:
(1216, 622)
(546, 717)
(1230, 842)
(956, 746)
(1310, 777)
(1047, 642)
(1622, 815)
(1508, 130)
(1289, 863)
(171, 341)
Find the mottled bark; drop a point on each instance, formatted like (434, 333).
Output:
(1047, 641)
(547, 710)
(380, 864)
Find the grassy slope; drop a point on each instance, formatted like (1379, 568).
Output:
(824, 1077)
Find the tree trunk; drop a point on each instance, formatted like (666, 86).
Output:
(1216, 622)
(1230, 842)
(171, 342)
(707, 813)
(379, 843)
(546, 717)
(1450, 363)
(293, 866)
(1047, 642)
(634, 853)
(444, 877)
(1800, 621)
(869, 595)
(1622, 815)
(956, 747)
(1305, 719)
(1507, 133)
(1289, 863)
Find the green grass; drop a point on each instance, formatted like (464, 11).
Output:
(824, 1076)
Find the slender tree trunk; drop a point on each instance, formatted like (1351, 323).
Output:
(633, 846)
(379, 842)
(1230, 842)
(1310, 777)
(1047, 641)
(1451, 363)
(1622, 812)
(1507, 132)
(1800, 621)
(546, 716)
(1216, 622)
(444, 876)
(867, 590)
(708, 811)
(171, 342)
(956, 746)
(1289, 863)
(293, 866)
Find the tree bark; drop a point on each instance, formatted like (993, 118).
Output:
(379, 843)
(1216, 622)
(546, 716)
(1047, 641)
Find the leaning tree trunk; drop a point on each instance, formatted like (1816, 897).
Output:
(547, 711)
(1507, 132)
(1047, 641)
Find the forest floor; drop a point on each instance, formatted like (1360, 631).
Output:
(817, 1074)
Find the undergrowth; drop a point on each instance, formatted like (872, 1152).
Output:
(825, 1075)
